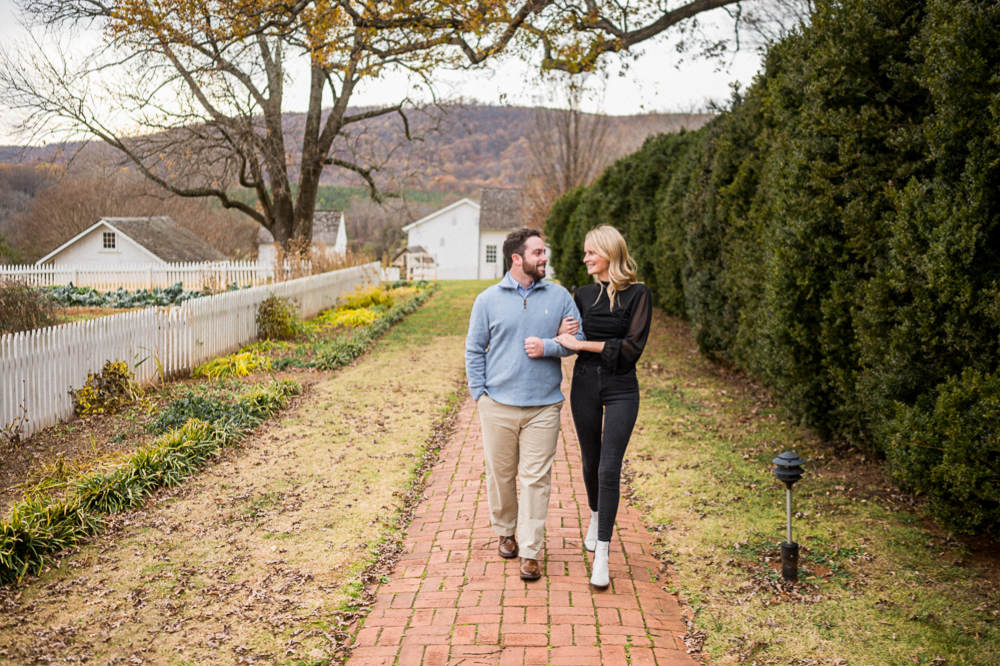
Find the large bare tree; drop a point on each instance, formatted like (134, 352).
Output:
(566, 146)
(192, 92)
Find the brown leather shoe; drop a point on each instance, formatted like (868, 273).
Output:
(508, 547)
(530, 569)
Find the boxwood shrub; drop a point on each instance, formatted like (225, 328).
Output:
(835, 233)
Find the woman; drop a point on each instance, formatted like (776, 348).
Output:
(616, 311)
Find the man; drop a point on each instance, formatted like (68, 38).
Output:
(514, 376)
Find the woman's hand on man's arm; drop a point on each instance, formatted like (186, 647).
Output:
(572, 343)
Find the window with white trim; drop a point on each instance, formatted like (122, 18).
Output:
(491, 254)
(109, 240)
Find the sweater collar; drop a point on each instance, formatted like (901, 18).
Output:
(508, 282)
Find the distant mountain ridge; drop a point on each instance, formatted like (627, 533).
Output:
(473, 146)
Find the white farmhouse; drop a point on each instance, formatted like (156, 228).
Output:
(466, 239)
(128, 241)
(329, 228)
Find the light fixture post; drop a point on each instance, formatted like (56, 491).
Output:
(788, 470)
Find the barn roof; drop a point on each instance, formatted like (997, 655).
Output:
(410, 249)
(500, 209)
(160, 236)
(438, 213)
(326, 223)
(166, 239)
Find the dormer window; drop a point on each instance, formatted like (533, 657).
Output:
(109, 240)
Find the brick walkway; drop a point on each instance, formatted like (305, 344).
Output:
(453, 601)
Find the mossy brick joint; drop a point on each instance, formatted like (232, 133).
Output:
(834, 234)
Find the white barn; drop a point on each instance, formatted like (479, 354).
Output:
(466, 238)
(329, 228)
(128, 241)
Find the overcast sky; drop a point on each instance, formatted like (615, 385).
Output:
(652, 83)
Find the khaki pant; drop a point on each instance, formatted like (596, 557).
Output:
(519, 442)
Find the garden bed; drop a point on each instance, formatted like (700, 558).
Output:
(65, 451)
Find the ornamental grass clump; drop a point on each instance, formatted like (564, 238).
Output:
(240, 364)
(352, 318)
(261, 401)
(278, 319)
(108, 391)
(365, 297)
(38, 527)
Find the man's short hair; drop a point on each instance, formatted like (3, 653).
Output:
(514, 244)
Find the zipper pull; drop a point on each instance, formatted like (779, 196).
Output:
(525, 302)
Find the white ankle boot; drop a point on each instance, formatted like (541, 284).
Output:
(590, 541)
(600, 577)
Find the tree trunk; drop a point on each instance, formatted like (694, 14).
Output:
(313, 154)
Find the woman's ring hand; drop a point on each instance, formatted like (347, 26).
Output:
(568, 341)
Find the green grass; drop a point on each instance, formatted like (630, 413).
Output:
(882, 586)
(452, 305)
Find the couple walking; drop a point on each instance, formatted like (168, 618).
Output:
(519, 330)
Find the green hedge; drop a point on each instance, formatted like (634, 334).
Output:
(835, 233)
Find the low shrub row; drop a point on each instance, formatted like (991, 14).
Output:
(334, 338)
(835, 234)
(41, 526)
(343, 350)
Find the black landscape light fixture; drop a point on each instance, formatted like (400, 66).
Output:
(788, 470)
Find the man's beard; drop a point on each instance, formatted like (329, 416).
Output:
(535, 271)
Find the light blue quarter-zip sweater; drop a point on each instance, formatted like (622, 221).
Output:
(495, 360)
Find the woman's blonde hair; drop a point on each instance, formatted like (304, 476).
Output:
(610, 244)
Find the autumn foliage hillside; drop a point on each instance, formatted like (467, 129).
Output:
(461, 148)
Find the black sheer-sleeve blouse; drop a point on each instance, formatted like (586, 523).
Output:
(623, 329)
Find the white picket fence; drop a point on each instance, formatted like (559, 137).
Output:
(38, 368)
(216, 275)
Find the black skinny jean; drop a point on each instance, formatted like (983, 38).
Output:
(599, 398)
